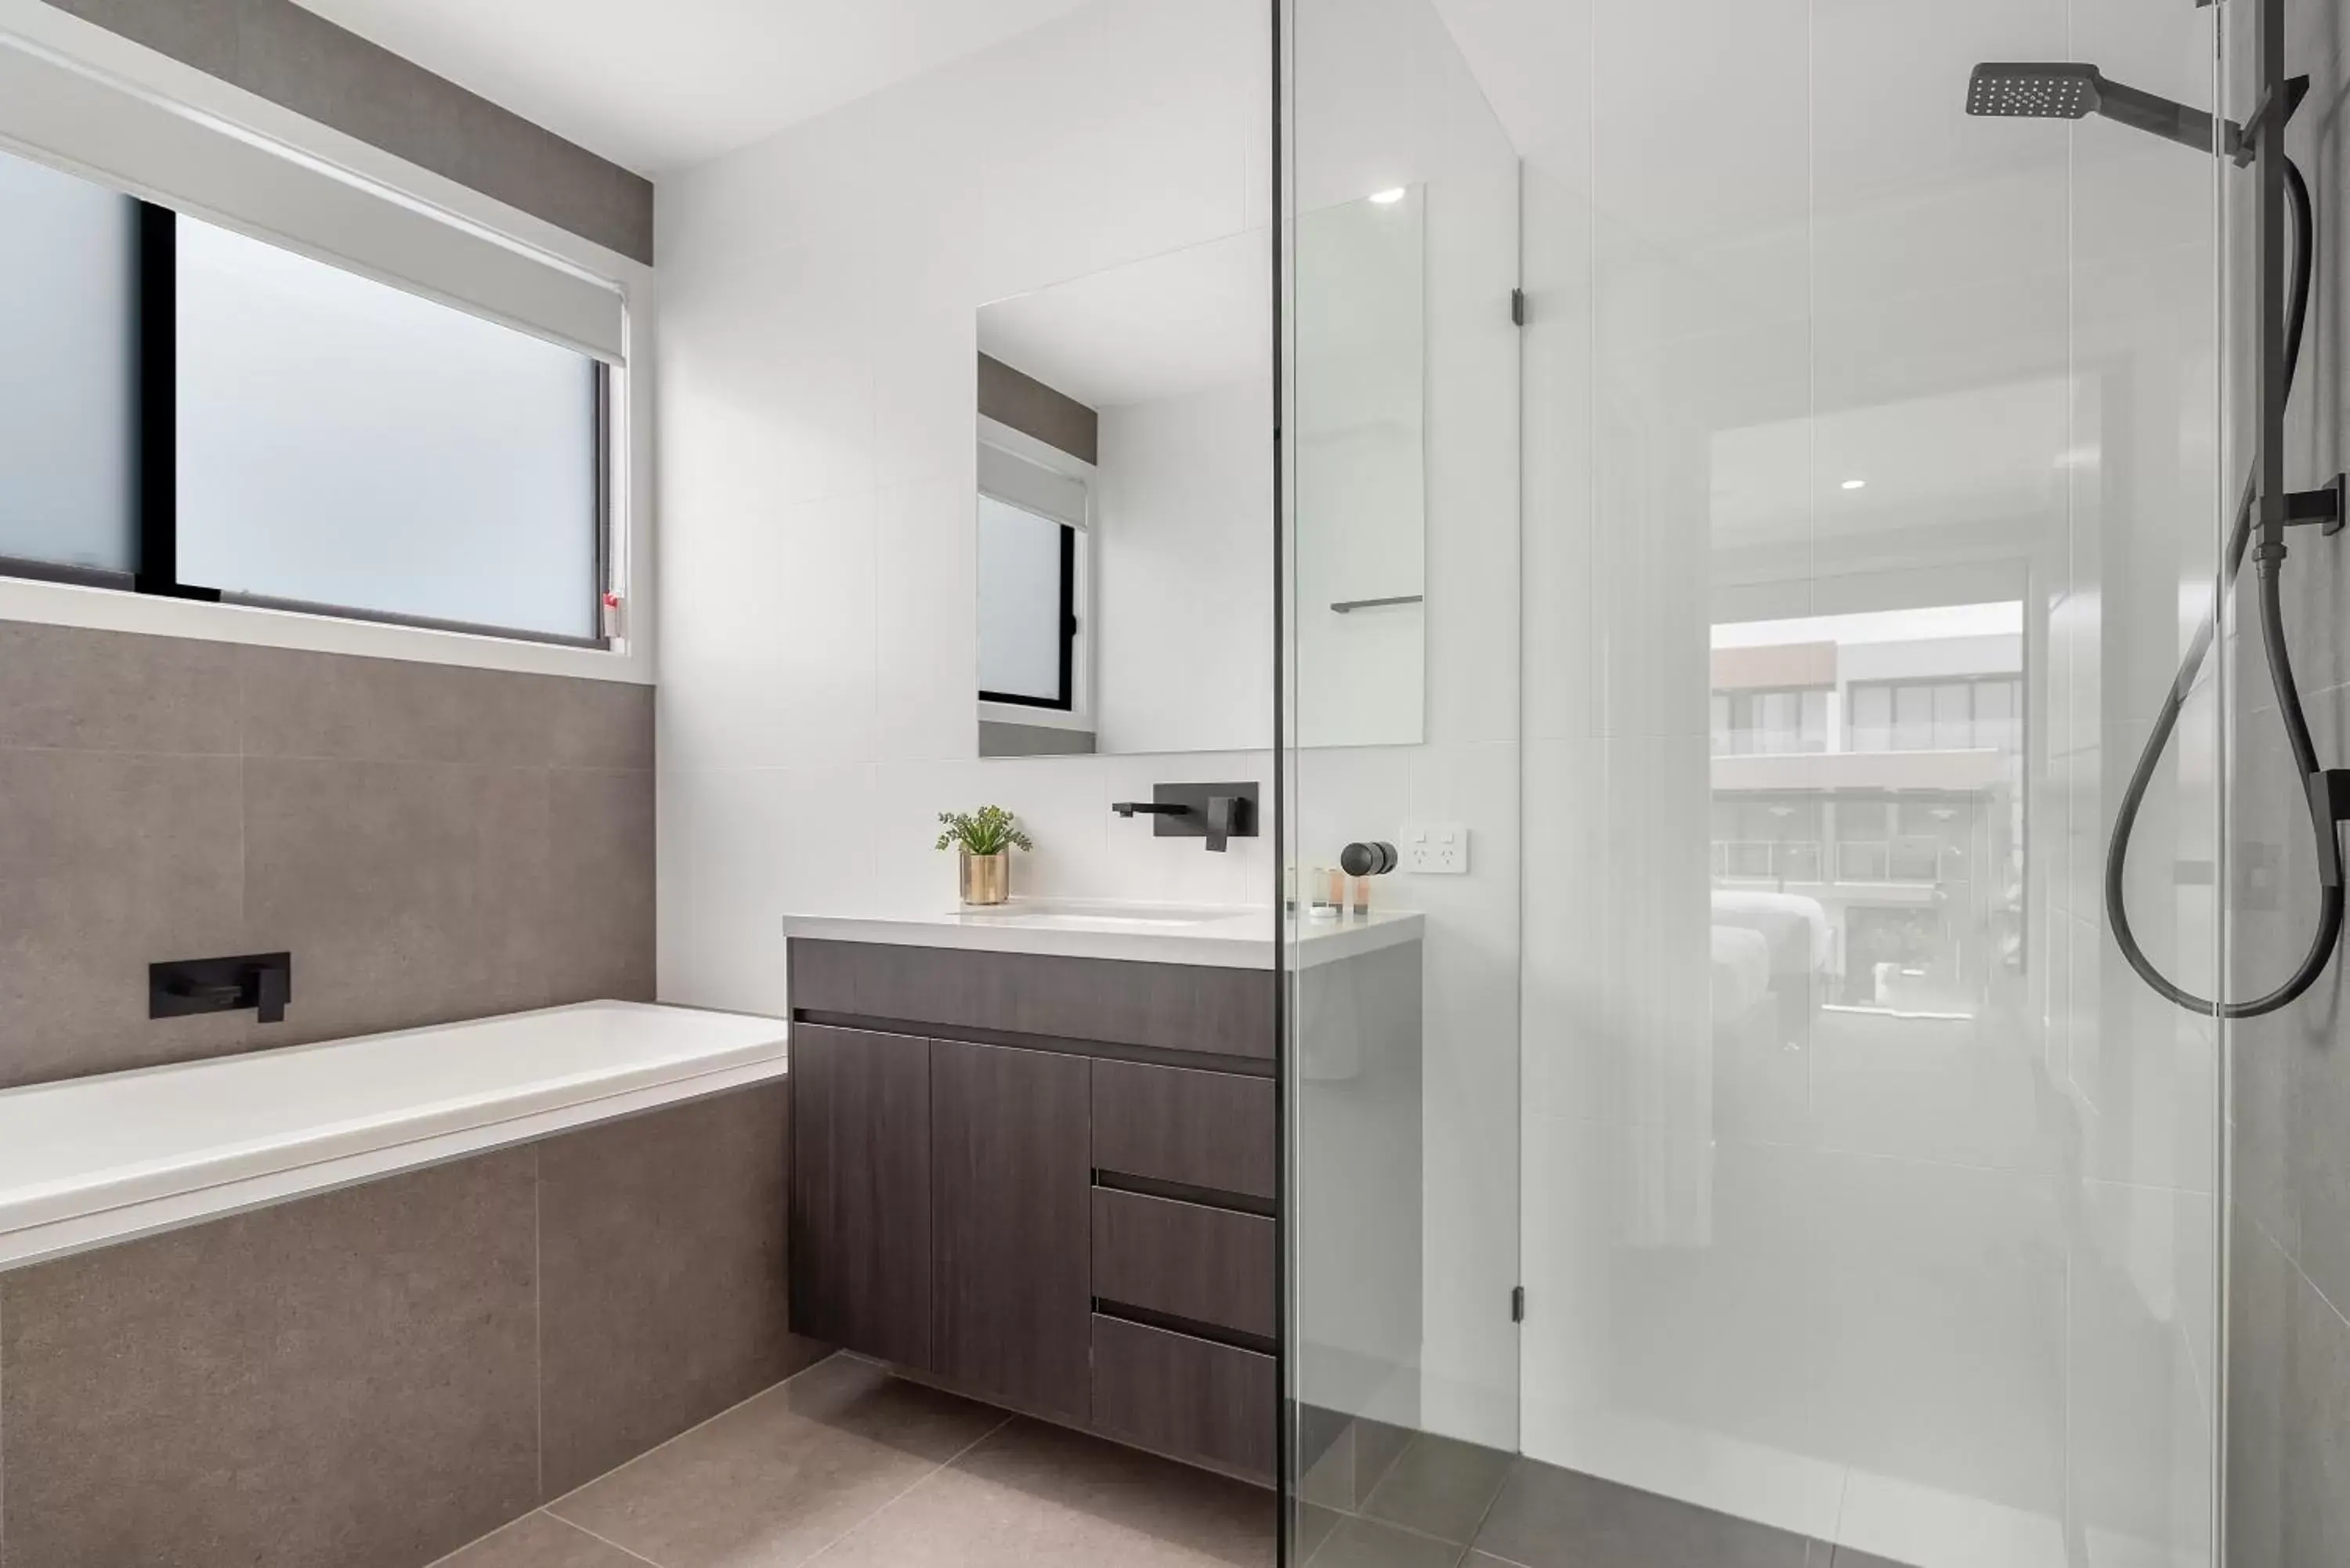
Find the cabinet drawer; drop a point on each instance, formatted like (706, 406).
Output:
(1210, 1266)
(1164, 1006)
(1185, 1396)
(1174, 1124)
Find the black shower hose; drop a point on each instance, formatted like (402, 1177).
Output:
(2288, 699)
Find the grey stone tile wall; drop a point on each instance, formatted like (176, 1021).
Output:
(430, 843)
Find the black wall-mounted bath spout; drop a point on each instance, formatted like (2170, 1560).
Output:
(262, 982)
(1218, 813)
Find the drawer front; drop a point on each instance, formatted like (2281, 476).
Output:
(1185, 1396)
(1212, 1130)
(1210, 1266)
(1159, 1006)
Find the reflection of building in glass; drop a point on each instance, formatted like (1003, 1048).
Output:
(1868, 773)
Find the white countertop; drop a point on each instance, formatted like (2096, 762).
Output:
(1213, 938)
(90, 1161)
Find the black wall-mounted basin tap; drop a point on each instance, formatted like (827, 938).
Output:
(1218, 813)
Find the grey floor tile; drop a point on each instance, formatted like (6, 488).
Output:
(1315, 1524)
(1377, 1446)
(1846, 1557)
(1036, 1496)
(1329, 1480)
(1367, 1544)
(541, 1540)
(1439, 1487)
(1551, 1517)
(774, 1482)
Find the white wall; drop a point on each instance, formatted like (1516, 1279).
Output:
(1182, 562)
(817, 473)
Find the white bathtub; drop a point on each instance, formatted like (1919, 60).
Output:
(96, 1160)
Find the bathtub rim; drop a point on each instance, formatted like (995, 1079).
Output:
(42, 1224)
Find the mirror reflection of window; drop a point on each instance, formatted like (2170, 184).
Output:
(1027, 620)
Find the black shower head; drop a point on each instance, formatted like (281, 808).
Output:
(2035, 92)
(2067, 90)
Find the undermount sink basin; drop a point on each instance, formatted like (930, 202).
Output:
(1073, 914)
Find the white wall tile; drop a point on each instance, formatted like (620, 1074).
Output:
(927, 633)
(741, 847)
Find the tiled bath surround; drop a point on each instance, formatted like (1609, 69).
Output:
(378, 1375)
(375, 1377)
(430, 843)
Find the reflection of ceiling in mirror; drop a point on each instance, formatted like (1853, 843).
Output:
(1161, 327)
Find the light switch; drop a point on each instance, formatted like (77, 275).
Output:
(1436, 848)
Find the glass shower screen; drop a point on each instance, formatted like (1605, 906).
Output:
(1734, 1125)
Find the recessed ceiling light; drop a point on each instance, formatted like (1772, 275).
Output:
(1856, 485)
(1388, 198)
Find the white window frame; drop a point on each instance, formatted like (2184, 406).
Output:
(70, 44)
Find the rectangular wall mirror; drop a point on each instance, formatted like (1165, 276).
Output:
(1125, 506)
(1361, 597)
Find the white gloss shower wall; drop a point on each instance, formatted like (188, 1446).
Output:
(1925, 1267)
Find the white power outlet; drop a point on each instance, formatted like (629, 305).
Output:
(1435, 849)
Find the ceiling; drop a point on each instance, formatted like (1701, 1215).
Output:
(658, 87)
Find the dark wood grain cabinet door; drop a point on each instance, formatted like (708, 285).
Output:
(861, 1192)
(1011, 1173)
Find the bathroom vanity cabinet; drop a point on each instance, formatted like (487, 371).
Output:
(1046, 1181)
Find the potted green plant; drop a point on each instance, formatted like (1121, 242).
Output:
(985, 839)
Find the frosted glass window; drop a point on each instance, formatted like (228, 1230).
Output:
(69, 375)
(345, 443)
(1021, 607)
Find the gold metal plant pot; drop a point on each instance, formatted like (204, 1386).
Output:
(987, 879)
